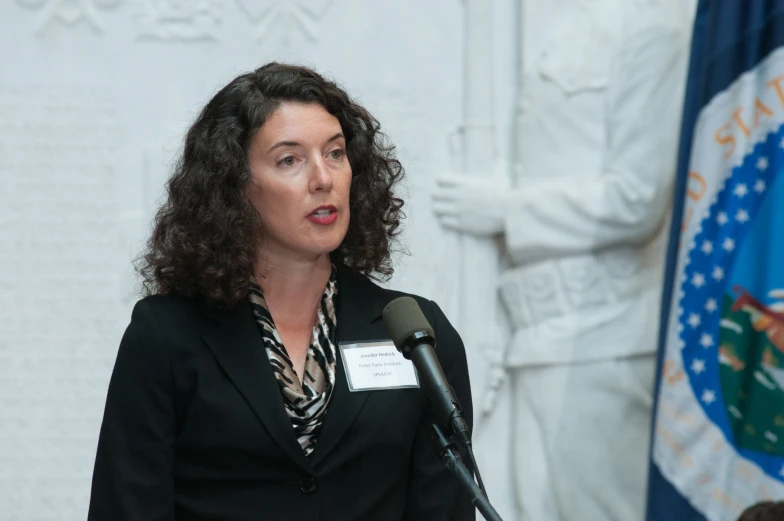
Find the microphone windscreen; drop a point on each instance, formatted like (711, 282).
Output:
(403, 317)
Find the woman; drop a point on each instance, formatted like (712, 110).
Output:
(229, 398)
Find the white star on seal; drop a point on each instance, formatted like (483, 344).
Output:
(694, 320)
(698, 280)
(742, 216)
(710, 305)
(741, 190)
(722, 218)
(707, 247)
(706, 340)
(718, 273)
(728, 244)
(708, 396)
(762, 163)
(759, 186)
(698, 366)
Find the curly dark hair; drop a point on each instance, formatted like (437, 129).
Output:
(207, 235)
(765, 511)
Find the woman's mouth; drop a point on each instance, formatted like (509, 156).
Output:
(323, 215)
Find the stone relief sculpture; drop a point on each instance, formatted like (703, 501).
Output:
(178, 20)
(597, 127)
(68, 12)
(477, 310)
(303, 13)
(184, 21)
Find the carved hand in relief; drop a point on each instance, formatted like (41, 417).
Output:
(472, 205)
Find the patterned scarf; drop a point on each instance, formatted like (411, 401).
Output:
(305, 403)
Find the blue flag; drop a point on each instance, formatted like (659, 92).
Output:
(718, 434)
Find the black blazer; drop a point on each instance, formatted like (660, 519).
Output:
(194, 426)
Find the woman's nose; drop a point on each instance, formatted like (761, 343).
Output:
(320, 176)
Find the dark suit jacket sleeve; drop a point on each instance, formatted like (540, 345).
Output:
(433, 492)
(133, 477)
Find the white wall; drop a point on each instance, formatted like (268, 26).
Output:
(95, 96)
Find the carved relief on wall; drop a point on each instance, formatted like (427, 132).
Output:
(68, 12)
(178, 20)
(269, 15)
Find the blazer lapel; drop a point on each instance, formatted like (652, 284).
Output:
(238, 348)
(360, 305)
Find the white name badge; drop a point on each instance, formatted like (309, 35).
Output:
(377, 365)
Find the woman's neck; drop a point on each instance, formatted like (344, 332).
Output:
(293, 289)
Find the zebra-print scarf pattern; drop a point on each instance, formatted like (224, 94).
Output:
(305, 402)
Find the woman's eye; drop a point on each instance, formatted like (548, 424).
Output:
(337, 154)
(286, 161)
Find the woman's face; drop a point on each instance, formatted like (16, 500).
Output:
(300, 180)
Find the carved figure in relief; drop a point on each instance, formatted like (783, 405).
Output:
(582, 226)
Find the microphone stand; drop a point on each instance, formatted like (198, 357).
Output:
(447, 450)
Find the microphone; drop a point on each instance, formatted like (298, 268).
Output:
(413, 336)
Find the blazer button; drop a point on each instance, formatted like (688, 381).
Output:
(308, 485)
